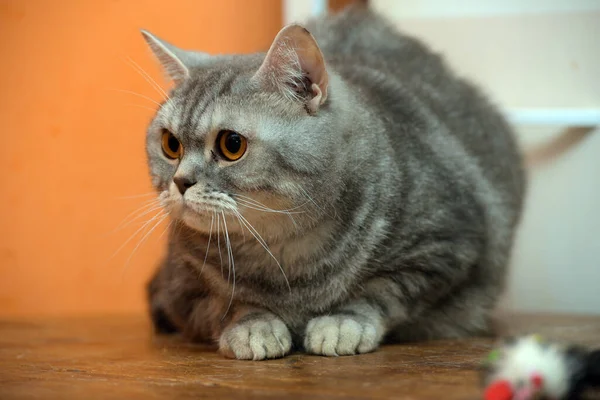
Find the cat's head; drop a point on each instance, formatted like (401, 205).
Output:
(247, 134)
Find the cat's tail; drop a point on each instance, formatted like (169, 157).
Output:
(339, 5)
(552, 149)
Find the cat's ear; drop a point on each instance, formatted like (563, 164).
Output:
(175, 62)
(294, 65)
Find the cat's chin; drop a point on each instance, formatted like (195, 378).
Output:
(199, 221)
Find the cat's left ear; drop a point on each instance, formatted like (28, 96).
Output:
(175, 62)
(295, 66)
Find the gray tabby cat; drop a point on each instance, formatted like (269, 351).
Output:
(342, 190)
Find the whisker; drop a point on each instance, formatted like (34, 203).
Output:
(293, 221)
(241, 227)
(259, 204)
(143, 209)
(251, 206)
(227, 247)
(166, 229)
(315, 203)
(262, 242)
(135, 233)
(142, 240)
(145, 204)
(289, 214)
(219, 242)
(137, 94)
(212, 220)
(137, 214)
(310, 198)
(148, 78)
(231, 265)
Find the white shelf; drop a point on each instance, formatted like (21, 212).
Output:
(538, 51)
(554, 116)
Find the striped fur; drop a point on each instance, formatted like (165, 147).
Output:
(406, 188)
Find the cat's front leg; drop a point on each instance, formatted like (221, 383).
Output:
(354, 329)
(255, 334)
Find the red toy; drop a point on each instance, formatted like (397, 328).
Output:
(530, 368)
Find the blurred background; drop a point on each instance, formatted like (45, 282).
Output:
(76, 101)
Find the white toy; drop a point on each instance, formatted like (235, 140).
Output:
(531, 368)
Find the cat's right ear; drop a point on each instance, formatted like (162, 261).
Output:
(295, 66)
(175, 62)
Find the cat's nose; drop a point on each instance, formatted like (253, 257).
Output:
(183, 183)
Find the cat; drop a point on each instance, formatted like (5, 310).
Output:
(343, 190)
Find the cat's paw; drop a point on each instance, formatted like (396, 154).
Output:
(256, 339)
(341, 335)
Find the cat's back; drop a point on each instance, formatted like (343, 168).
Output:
(359, 37)
(368, 52)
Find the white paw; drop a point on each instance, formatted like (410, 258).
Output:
(341, 335)
(256, 339)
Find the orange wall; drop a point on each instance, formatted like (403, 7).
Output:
(72, 144)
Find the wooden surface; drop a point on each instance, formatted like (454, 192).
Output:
(117, 357)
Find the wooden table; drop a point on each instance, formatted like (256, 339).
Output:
(116, 357)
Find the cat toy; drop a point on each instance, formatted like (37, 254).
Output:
(532, 368)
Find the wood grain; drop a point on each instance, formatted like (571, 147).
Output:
(117, 357)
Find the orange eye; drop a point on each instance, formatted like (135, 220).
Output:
(232, 145)
(171, 146)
